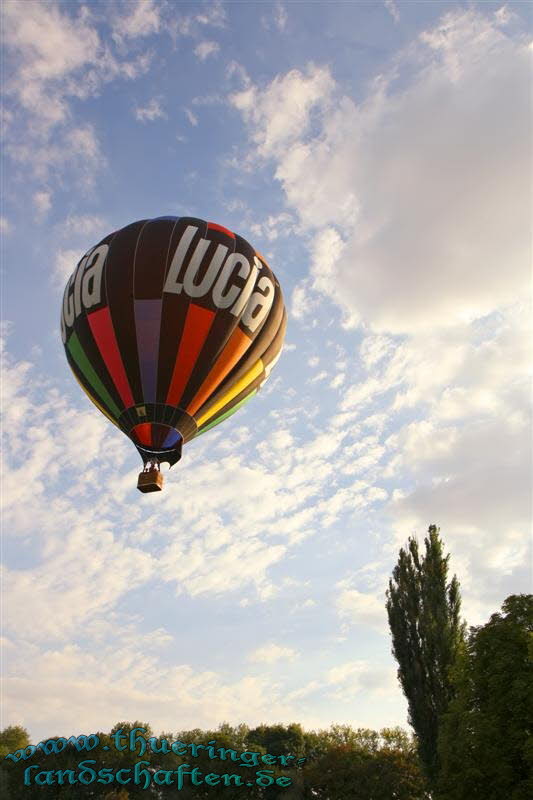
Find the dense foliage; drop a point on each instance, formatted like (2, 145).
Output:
(340, 764)
(486, 741)
(427, 635)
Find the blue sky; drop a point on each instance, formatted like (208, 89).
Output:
(378, 155)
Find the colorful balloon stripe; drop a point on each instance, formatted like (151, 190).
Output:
(264, 347)
(143, 433)
(233, 352)
(250, 387)
(96, 403)
(148, 325)
(104, 336)
(212, 226)
(250, 376)
(222, 417)
(197, 326)
(119, 295)
(76, 351)
(172, 438)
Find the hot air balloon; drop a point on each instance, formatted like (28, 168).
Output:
(170, 325)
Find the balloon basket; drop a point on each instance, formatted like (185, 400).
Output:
(150, 481)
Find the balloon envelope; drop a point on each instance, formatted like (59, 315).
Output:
(170, 325)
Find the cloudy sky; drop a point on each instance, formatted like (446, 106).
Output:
(379, 155)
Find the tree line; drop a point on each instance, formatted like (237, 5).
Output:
(470, 701)
(470, 696)
(341, 762)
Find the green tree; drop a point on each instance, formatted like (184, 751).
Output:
(362, 764)
(341, 764)
(427, 635)
(68, 759)
(486, 739)
(279, 739)
(13, 738)
(225, 737)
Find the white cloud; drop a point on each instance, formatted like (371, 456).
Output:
(58, 481)
(42, 202)
(54, 687)
(65, 264)
(49, 46)
(302, 302)
(84, 141)
(93, 548)
(374, 348)
(281, 439)
(353, 677)
(309, 603)
(55, 54)
(266, 511)
(277, 18)
(237, 71)
(5, 226)
(77, 232)
(362, 608)
(205, 49)
(392, 8)
(461, 455)
(280, 16)
(207, 100)
(274, 226)
(60, 689)
(213, 16)
(304, 691)
(143, 19)
(480, 495)
(320, 376)
(84, 225)
(423, 190)
(465, 461)
(271, 653)
(77, 149)
(84, 575)
(280, 114)
(150, 112)
(193, 119)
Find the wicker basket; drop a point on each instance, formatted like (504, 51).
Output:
(150, 481)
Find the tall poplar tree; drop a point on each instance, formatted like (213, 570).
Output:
(427, 635)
